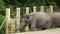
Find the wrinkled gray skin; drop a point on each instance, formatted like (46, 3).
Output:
(38, 20)
(55, 18)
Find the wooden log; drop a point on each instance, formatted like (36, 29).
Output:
(12, 25)
(7, 20)
(17, 18)
(34, 8)
(51, 9)
(41, 8)
(27, 12)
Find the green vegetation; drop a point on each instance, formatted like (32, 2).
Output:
(13, 4)
(2, 31)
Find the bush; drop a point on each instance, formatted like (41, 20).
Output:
(2, 31)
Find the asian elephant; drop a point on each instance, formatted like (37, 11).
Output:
(55, 18)
(37, 20)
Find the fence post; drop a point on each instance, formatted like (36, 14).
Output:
(27, 12)
(12, 25)
(41, 8)
(51, 9)
(34, 8)
(17, 18)
(7, 20)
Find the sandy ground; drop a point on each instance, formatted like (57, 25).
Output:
(50, 31)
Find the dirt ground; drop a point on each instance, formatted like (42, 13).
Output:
(49, 31)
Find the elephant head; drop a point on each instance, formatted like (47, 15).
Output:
(25, 21)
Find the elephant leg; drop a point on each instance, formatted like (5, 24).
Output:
(49, 24)
(33, 25)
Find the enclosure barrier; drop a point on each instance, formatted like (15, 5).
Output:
(7, 20)
(27, 12)
(41, 8)
(15, 23)
(34, 9)
(17, 18)
(12, 25)
(50, 9)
